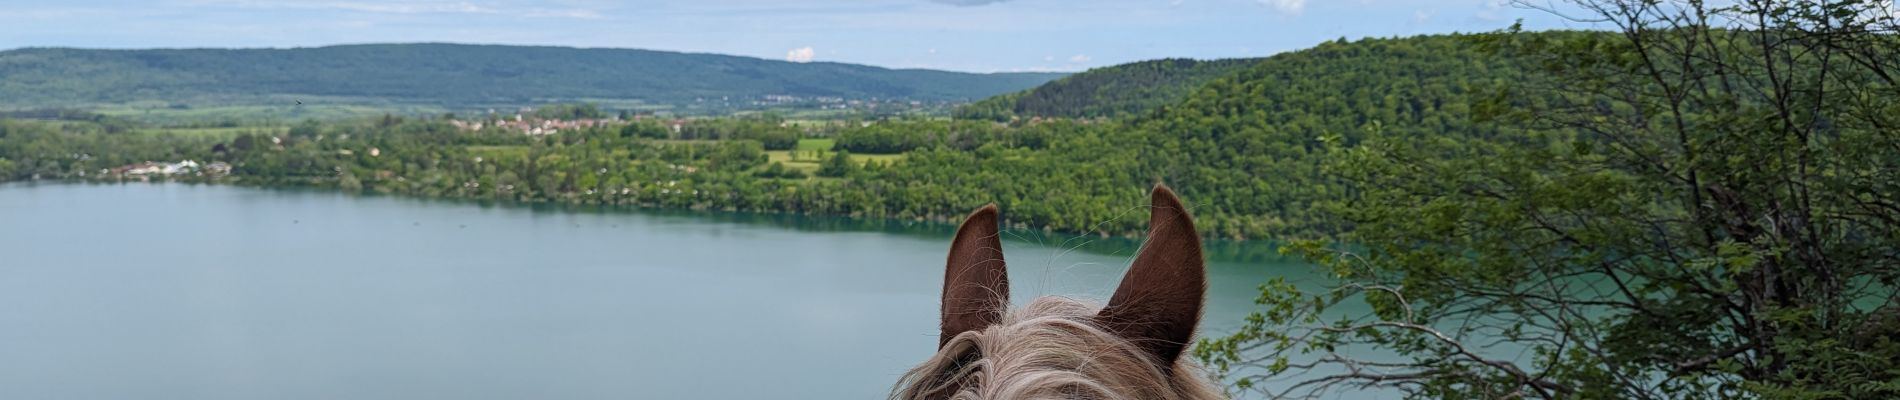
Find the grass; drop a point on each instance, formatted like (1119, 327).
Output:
(815, 144)
(808, 160)
(785, 157)
(807, 156)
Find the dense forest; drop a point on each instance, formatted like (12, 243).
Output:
(455, 75)
(1114, 91)
(1698, 204)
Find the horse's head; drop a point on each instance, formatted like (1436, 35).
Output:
(1061, 348)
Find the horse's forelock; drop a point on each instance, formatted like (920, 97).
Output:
(1053, 348)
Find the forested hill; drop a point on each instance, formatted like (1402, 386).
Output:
(1250, 145)
(452, 74)
(1126, 89)
(1247, 148)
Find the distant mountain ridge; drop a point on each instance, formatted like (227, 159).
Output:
(1112, 91)
(451, 74)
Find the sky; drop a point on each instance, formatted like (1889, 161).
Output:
(958, 35)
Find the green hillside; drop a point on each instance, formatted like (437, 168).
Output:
(1250, 145)
(1126, 89)
(454, 74)
(1246, 147)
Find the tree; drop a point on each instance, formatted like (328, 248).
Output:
(244, 142)
(569, 111)
(838, 165)
(1702, 204)
(735, 155)
(778, 170)
(642, 129)
(348, 183)
(310, 127)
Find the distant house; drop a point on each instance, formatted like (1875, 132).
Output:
(180, 167)
(144, 168)
(532, 126)
(157, 168)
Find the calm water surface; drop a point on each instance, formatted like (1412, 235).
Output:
(172, 291)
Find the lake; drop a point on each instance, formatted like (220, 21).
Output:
(176, 291)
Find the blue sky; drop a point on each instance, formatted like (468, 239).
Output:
(961, 35)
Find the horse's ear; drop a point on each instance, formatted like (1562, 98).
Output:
(1159, 301)
(975, 281)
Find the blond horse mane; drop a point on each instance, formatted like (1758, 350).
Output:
(1051, 349)
(1060, 348)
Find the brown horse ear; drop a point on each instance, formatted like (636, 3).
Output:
(975, 280)
(1159, 301)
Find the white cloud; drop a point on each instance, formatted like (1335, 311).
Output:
(1288, 7)
(1048, 58)
(1079, 58)
(1422, 16)
(800, 55)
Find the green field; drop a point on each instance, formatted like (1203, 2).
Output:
(805, 157)
(785, 157)
(815, 144)
(882, 158)
(808, 160)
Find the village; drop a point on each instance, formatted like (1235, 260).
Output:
(526, 120)
(149, 169)
(541, 126)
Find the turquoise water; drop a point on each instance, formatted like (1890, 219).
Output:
(173, 291)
